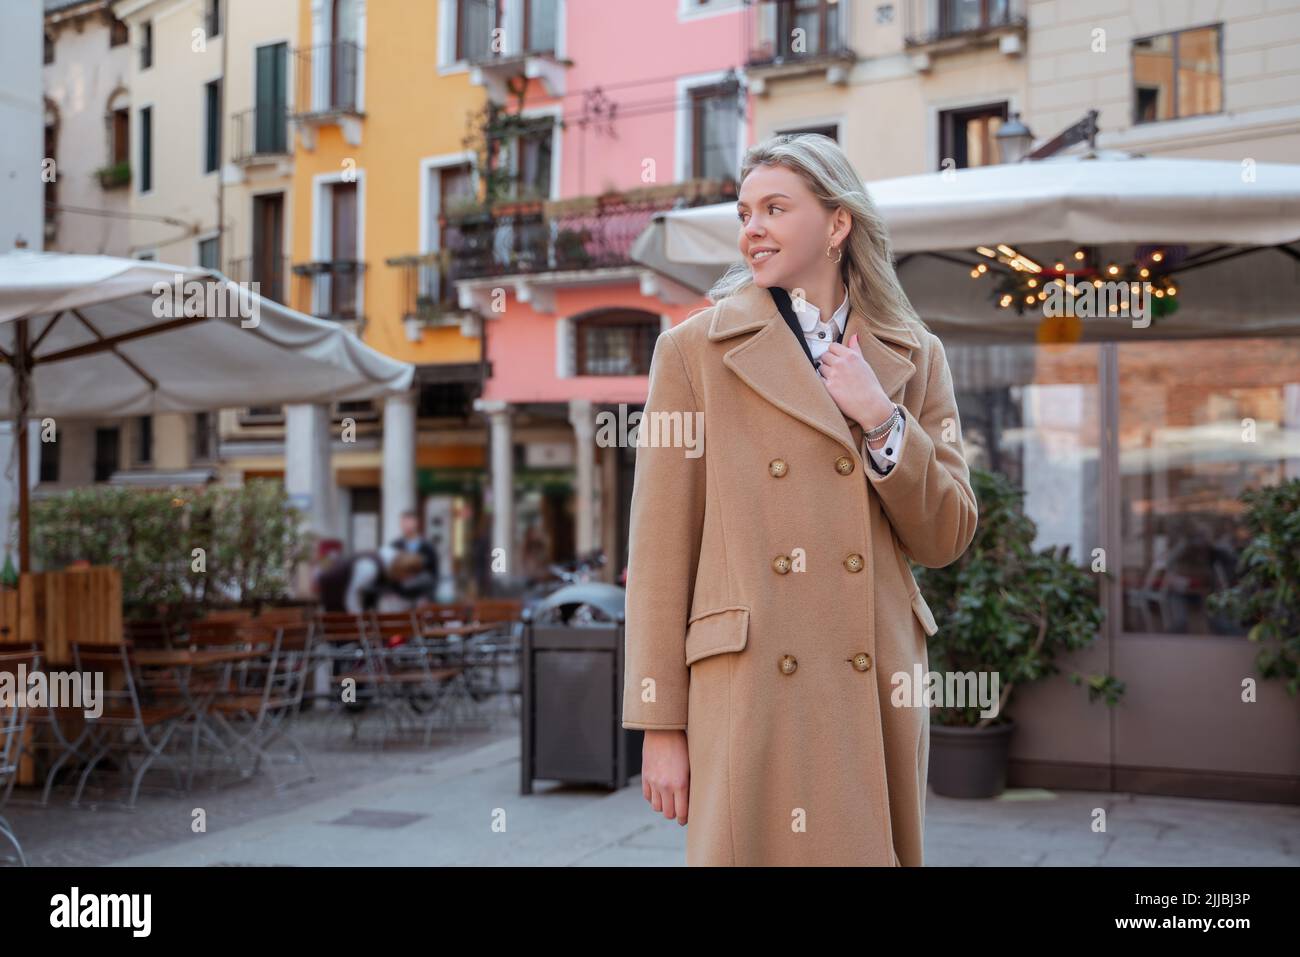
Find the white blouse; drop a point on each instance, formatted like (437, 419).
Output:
(819, 335)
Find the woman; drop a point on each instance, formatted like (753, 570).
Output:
(769, 600)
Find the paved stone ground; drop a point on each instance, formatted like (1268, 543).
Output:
(458, 803)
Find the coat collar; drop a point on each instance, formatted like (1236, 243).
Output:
(774, 366)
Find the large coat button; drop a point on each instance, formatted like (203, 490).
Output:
(844, 465)
(854, 562)
(781, 564)
(788, 664)
(778, 468)
(861, 661)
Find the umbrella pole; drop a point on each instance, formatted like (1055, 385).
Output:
(22, 373)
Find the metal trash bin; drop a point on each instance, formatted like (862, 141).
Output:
(571, 718)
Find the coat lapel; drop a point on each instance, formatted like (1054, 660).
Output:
(772, 364)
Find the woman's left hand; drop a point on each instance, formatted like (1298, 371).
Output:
(853, 385)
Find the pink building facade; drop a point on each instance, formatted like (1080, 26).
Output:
(606, 133)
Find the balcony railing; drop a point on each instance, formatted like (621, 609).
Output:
(932, 21)
(795, 31)
(595, 232)
(332, 289)
(270, 273)
(260, 134)
(428, 294)
(328, 79)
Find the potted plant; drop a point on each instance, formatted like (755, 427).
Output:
(114, 176)
(1008, 610)
(1266, 596)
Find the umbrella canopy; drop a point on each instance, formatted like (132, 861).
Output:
(96, 335)
(1092, 198)
(1226, 231)
(118, 337)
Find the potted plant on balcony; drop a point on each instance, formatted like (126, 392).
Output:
(114, 176)
(1265, 598)
(1005, 609)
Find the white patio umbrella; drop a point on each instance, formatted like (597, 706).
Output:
(1232, 225)
(96, 335)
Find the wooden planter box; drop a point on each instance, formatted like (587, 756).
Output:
(53, 609)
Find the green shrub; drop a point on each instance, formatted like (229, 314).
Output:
(250, 535)
(1005, 607)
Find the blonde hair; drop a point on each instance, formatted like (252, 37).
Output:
(867, 267)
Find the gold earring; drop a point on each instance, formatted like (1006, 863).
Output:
(839, 253)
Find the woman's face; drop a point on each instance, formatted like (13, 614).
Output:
(784, 230)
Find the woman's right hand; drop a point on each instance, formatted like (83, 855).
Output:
(666, 773)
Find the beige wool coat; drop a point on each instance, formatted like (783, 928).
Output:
(769, 602)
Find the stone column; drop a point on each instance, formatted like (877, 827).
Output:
(501, 442)
(399, 492)
(582, 418)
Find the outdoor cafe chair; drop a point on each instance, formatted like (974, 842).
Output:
(340, 641)
(406, 671)
(46, 732)
(13, 724)
(127, 726)
(263, 712)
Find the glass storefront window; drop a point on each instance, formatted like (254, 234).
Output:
(1199, 423)
(1033, 413)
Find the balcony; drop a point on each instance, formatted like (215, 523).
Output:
(938, 27)
(529, 32)
(260, 136)
(428, 293)
(787, 38)
(331, 290)
(328, 89)
(578, 237)
(270, 273)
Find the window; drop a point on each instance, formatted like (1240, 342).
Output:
(49, 49)
(966, 16)
(475, 20)
(715, 127)
(146, 149)
(212, 137)
(212, 18)
(539, 26)
(967, 136)
(270, 133)
(107, 452)
(203, 436)
(146, 45)
(1178, 74)
(117, 33)
(51, 145)
(119, 125)
(832, 131)
(818, 21)
(533, 162)
(615, 342)
(143, 440)
(1200, 422)
(262, 415)
(208, 253)
(49, 461)
(526, 157)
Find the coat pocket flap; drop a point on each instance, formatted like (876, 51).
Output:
(923, 613)
(725, 629)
